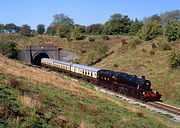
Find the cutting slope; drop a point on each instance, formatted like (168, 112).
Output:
(47, 98)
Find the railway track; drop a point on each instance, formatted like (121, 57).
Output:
(156, 104)
(165, 107)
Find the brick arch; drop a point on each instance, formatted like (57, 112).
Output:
(36, 59)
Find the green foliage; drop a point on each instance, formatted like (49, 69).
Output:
(117, 24)
(9, 49)
(1, 28)
(62, 19)
(40, 29)
(25, 30)
(175, 59)
(150, 30)
(62, 30)
(61, 26)
(11, 28)
(135, 27)
(172, 31)
(75, 33)
(164, 46)
(94, 29)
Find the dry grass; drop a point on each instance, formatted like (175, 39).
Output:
(82, 125)
(34, 75)
(29, 102)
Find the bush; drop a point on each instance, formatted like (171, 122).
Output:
(124, 42)
(150, 30)
(115, 65)
(105, 37)
(91, 39)
(9, 49)
(135, 42)
(153, 45)
(175, 59)
(164, 46)
(151, 53)
(172, 31)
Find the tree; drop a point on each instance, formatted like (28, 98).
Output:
(150, 30)
(51, 30)
(135, 27)
(169, 16)
(1, 28)
(62, 19)
(117, 24)
(172, 30)
(40, 29)
(75, 33)
(25, 30)
(94, 29)
(10, 28)
(9, 49)
(61, 26)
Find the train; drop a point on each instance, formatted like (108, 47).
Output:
(132, 85)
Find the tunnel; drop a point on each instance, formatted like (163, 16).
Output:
(38, 57)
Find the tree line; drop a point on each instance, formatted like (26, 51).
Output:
(166, 24)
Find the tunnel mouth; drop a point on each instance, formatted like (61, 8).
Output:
(38, 57)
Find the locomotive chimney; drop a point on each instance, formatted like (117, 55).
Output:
(143, 77)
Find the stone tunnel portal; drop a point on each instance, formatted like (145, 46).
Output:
(37, 59)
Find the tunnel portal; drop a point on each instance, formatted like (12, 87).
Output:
(37, 59)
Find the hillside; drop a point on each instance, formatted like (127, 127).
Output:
(143, 60)
(32, 97)
(130, 55)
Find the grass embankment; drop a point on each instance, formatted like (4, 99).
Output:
(37, 98)
(130, 55)
(154, 63)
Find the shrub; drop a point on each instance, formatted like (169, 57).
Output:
(151, 53)
(153, 45)
(124, 41)
(9, 49)
(144, 50)
(91, 39)
(135, 42)
(164, 46)
(150, 30)
(175, 59)
(172, 31)
(115, 65)
(105, 37)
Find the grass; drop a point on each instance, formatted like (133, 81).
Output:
(131, 55)
(40, 102)
(60, 108)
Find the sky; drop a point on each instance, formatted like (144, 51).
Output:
(84, 12)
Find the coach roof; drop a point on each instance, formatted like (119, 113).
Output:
(85, 67)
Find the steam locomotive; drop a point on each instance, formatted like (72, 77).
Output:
(124, 83)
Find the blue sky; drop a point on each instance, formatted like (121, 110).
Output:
(86, 12)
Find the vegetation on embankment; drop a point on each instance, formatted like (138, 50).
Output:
(153, 59)
(47, 100)
(157, 59)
